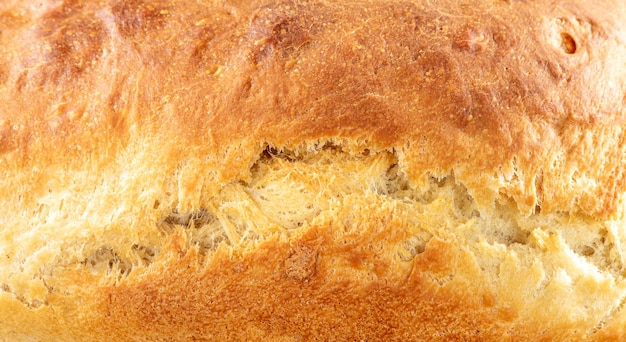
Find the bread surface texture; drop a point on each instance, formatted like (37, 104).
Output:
(312, 170)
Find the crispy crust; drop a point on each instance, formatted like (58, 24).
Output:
(487, 136)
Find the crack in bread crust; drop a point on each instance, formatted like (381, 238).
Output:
(357, 218)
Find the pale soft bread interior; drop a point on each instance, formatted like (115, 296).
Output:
(527, 261)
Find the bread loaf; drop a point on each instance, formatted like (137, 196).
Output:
(356, 170)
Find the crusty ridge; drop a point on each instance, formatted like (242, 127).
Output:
(133, 135)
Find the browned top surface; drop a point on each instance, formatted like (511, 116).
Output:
(531, 93)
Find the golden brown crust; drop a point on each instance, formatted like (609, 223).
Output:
(301, 170)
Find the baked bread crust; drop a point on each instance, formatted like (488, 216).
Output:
(302, 170)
